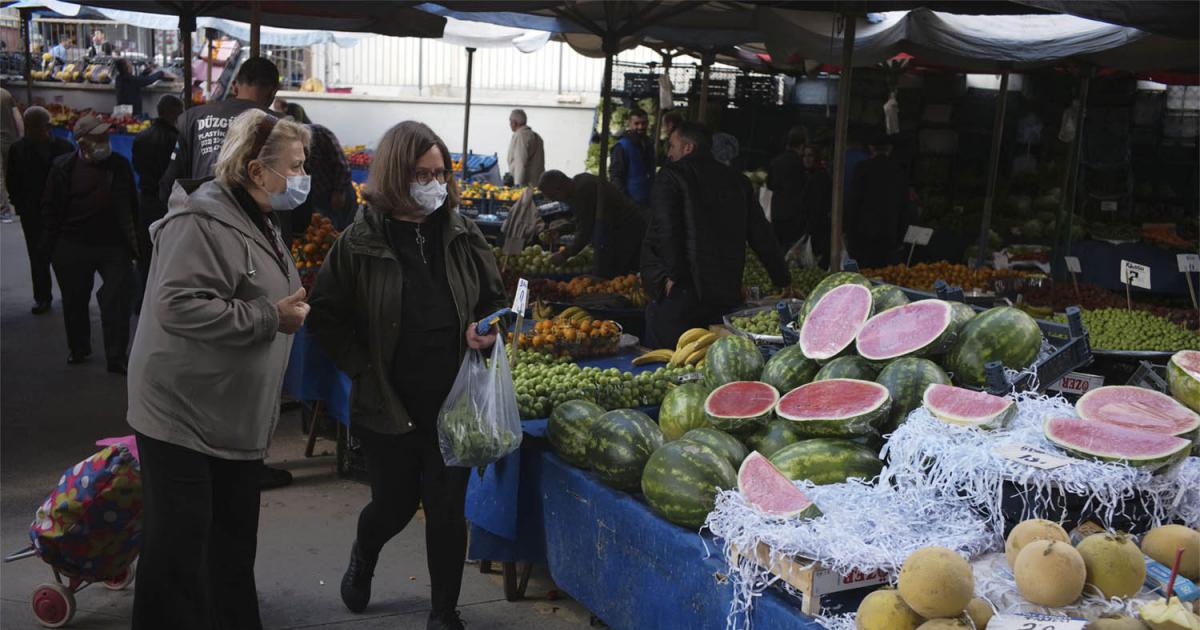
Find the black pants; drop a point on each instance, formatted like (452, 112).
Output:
(39, 260)
(670, 317)
(199, 537)
(405, 470)
(75, 266)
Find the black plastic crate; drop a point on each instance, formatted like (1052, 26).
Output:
(640, 85)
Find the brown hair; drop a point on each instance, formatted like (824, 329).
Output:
(394, 166)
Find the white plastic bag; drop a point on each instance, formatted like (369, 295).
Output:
(480, 423)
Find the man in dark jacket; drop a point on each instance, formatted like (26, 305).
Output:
(878, 208)
(816, 203)
(28, 166)
(703, 214)
(631, 168)
(90, 213)
(614, 226)
(202, 129)
(152, 149)
(785, 179)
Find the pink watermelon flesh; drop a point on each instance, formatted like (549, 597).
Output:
(1113, 442)
(764, 487)
(904, 330)
(741, 399)
(1189, 360)
(963, 406)
(835, 321)
(1137, 408)
(833, 398)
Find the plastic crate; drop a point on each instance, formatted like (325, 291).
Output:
(640, 85)
(751, 89)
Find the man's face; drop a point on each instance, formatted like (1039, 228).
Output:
(678, 147)
(638, 124)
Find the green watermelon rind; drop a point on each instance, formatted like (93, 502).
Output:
(887, 296)
(567, 440)
(682, 410)
(681, 480)
(994, 421)
(826, 460)
(850, 366)
(773, 436)
(726, 445)
(938, 345)
(789, 369)
(827, 284)
(850, 426)
(738, 424)
(1004, 334)
(906, 380)
(960, 314)
(849, 344)
(619, 462)
(1184, 385)
(1155, 461)
(732, 358)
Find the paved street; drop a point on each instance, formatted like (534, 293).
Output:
(50, 415)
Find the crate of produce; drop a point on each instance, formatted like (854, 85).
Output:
(757, 321)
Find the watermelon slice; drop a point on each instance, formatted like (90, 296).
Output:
(835, 321)
(1114, 443)
(839, 407)
(740, 405)
(1183, 375)
(1137, 408)
(918, 329)
(955, 405)
(764, 487)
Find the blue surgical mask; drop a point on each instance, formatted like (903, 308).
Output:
(292, 196)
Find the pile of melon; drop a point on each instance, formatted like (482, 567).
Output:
(936, 592)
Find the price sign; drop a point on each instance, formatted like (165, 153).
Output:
(1030, 457)
(1073, 264)
(1034, 621)
(1135, 274)
(1077, 383)
(1188, 263)
(917, 235)
(122, 110)
(1000, 260)
(1108, 206)
(521, 298)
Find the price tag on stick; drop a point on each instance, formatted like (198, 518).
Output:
(1030, 457)
(1074, 269)
(1133, 274)
(916, 235)
(1034, 621)
(1189, 264)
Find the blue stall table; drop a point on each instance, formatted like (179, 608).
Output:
(312, 376)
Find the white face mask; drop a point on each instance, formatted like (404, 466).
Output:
(292, 196)
(429, 196)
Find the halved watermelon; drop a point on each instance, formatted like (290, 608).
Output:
(918, 329)
(1183, 375)
(1114, 443)
(764, 487)
(955, 405)
(835, 321)
(740, 405)
(1137, 408)
(840, 407)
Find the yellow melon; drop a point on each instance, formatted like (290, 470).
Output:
(1161, 615)
(1028, 531)
(1160, 543)
(980, 611)
(885, 610)
(936, 582)
(1114, 564)
(1050, 573)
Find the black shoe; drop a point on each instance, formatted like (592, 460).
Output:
(118, 367)
(271, 478)
(75, 358)
(356, 583)
(448, 621)
(40, 308)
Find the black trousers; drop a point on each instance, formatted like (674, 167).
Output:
(199, 538)
(670, 317)
(39, 260)
(75, 266)
(407, 470)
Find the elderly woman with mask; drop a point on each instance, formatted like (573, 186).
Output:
(395, 305)
(205, 375)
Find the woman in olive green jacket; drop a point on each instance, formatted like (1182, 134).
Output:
(395, 305)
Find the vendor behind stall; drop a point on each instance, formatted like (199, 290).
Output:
(614, 229)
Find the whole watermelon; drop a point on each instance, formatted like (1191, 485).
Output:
(569, 427)
(732, 450)
(621, 442)
(682, 410)
(681, 481)
(887, 296)
(789, 369)
(851, 366)
(961, 314)
(828, 284)
(906, 379)
(825, 461)
(732, 358)
(772, 437)
(1003, 334)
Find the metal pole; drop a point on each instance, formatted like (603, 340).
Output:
(606, 105)
(467, 115)
(26, 36)
(993, 167)
(560, 65)
(255, 27)
(658, 119)
(839, 143)
(706, 64)
(187, 24)
(1066, 207)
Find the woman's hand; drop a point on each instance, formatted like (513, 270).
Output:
(477, 342)
(292, 311)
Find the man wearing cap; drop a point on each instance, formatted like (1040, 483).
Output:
(89, 211)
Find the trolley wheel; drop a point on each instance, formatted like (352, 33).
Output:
(122, 581)
(53, 605)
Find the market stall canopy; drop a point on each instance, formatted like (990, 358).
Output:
(1175, 18)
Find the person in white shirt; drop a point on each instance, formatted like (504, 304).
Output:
(526, 153)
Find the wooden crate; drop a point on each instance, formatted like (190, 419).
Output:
(809, 577)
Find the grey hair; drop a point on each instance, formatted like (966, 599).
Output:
(518, 116)
(36, 112)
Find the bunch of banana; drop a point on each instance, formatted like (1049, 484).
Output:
(541, 310)
(690, 350)
(1037, 312)
(575, 315)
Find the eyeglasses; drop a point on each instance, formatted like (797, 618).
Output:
(424, 175)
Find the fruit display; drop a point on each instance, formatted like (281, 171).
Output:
(690, 349)
(358, 192)
(681, 480)
(1120, 329)
(619, 445)
(543, 382)
(836, 407)
(907, 380)
(572, 333)
(309, 252)
(825, 460)
(732, 359)
(627, 290)
(767, 489)
(533, 260)
(1169, 615)
(1028, 531)
(827, 284)
(1050, 573)
(726, 445)
(738, 406)
(955, 405)
(849, 366)
(936, 582)
(568, 429)
(887, 296)
(922, 276)
(1183, 378)
(357, 155)
(1055, 298)
(789, 369)
(1114, 564)
(1139, 409)
(765, 322)
(63, 116)
(1161, 543)
(884, 609)
(805, 279)
(773, 436)
(475, 192)
(832, 325)
(1003, 334)
(682, 410)
(1102, 441)
(918, 329)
